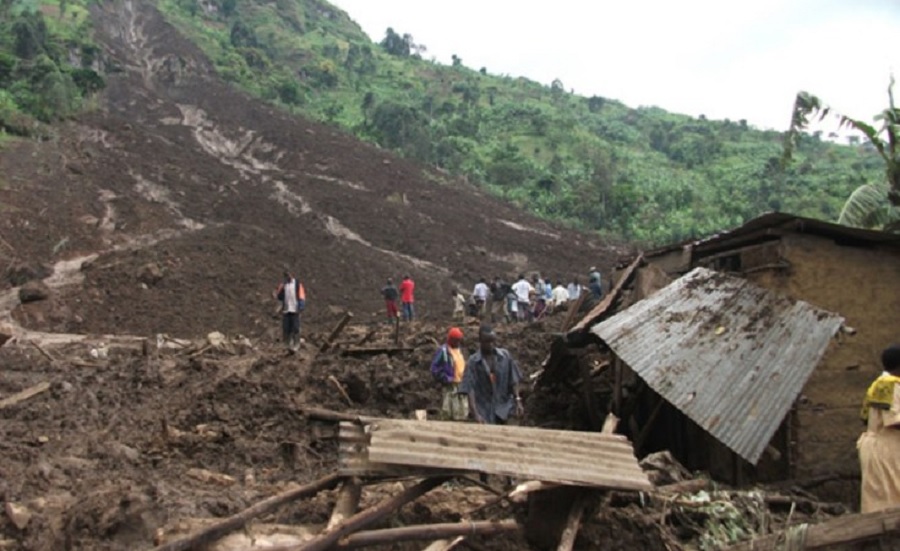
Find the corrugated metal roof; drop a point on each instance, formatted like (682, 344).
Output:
(566, 457)
(729, 354)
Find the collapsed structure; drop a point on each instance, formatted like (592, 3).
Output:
(732, 366)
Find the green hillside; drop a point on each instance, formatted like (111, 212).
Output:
(638, 174)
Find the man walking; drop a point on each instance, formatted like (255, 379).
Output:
(523, 291)
(407, 297)
(293, 300)
(480, 294)
(447, 367)
(491, 381)
(391, 294)
(497, 300)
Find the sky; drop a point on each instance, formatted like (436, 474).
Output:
(719, 58)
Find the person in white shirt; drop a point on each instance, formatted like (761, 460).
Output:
(480, 294)
(575, 289)
(523, 291)
(559, 296)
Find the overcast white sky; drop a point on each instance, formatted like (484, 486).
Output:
(720, 58)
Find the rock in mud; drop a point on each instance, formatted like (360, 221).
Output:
(21, 273)
(150, 273)
(18, 514)
(33, 291)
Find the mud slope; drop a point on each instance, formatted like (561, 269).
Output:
(218, 190)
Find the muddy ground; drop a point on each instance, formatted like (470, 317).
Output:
(167, 213)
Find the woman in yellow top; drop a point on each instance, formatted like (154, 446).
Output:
(879, 446)
(447, 367)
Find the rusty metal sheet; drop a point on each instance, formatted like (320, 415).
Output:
(566, 457)
(730, 355)
(353, 456)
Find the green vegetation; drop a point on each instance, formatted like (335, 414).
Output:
(873, 204)
(47, 62)
(641, 174)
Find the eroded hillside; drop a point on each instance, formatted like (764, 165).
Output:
(178, 175)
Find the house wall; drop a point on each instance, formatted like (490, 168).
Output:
(862, 285)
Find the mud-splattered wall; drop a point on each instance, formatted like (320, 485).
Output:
(863, 285)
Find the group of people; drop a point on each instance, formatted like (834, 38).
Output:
(523, 300)
(405, 293)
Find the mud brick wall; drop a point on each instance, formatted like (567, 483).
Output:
(863, 285)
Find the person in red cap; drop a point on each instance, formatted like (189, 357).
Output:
(447, 367)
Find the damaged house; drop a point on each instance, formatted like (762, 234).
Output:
(746, 354)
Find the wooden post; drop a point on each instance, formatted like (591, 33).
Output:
(336, 331)
(347, 502)
(645, 431)
(587, 392)
(232, 523)
(617, 388)
(328, 538)
(573, 523)
(428, 532)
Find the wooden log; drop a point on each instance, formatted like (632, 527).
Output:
(347, 502)
(573, 311)
(429, 532)
(328, 538)
(336, 331)
(366, 350)
(837, 531)
(24, 395)
(335, 416)
(573, 523)
(234, 522)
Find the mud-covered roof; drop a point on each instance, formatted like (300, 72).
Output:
(730, 355)
(775, 224)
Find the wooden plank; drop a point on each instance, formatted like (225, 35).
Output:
(604, 305)
(366, 350)
(567, 457)
(837, 531)
(573, 523)
(24, 395)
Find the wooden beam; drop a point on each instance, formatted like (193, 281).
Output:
(234, 522)
(837, 531)
(336, 331)
(24, 395)
(429, 532)
(328, 538)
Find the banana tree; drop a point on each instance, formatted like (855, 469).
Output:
(872, 205)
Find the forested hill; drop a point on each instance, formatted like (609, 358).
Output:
(636, 173)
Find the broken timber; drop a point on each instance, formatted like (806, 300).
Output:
(336, 331)
(428, 532)
(234, 522)
(367, 350)
(566, 457)
(24, 395)
(329, 537)
(839, 530)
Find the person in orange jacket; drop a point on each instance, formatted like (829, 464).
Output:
(292, 295)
